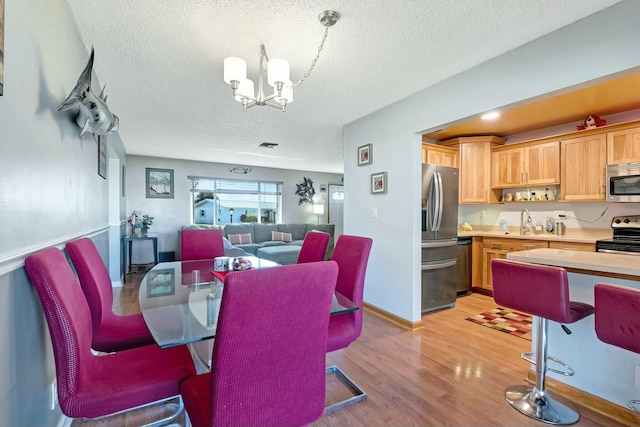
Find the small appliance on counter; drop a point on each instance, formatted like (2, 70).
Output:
(626, 236)
(439, 237)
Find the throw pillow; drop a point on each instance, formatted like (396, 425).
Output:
(237, 239)
(281, 237)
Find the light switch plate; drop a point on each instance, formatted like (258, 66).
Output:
(374, 212)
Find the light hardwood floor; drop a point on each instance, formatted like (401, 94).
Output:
(449, 373)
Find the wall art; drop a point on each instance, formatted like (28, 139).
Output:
(102, 156)
(305, 191)
(379, 183)
(365, 155)
(159, 183)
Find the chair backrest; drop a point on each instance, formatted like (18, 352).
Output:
(352, 254)
(539, 290)
(94, 279)
(618, 316)
(201, 244)
(314, 247)
(268, 363)
(68, 318)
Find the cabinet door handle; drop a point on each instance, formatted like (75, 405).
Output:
(521, 178)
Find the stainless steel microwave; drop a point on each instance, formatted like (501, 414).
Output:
(623, 183)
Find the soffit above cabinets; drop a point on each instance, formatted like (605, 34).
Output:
(614, 96)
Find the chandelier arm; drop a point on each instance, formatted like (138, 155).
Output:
(277, 105)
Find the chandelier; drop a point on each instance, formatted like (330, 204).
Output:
(277, 70)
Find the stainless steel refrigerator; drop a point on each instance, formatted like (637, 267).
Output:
(439, 236)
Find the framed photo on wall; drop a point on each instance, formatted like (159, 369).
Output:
(365, 155)
(159, 183)
(379, 183)
(102, 156)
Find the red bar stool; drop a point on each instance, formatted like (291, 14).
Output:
(542, 291)
(618, 319)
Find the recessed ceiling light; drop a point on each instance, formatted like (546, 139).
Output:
(490, 116)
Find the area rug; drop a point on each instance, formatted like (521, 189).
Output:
(505, 320)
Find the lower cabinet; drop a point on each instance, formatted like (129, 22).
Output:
(499, 248)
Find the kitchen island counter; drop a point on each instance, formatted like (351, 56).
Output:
(602, 370)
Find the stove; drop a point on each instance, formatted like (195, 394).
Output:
(626, 236)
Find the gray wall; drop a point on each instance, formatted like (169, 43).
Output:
(50, 191)
(599, 45)
(170, 214)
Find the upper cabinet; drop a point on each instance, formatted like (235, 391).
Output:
(623, 146)
(526, 164)
(437, 155)
(474, 162)
(584, 161)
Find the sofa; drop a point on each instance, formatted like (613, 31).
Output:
(236, 239)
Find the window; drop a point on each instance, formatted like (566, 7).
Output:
(225, 201)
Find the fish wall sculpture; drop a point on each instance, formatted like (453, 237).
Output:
(94, 116)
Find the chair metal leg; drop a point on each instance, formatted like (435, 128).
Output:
(535, 402)
(634, 405)
(161, 422)
(359, 394)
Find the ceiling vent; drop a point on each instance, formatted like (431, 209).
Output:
(268, 145)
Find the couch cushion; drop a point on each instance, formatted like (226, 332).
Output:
(273, 243)
(283, 255)
(239, 229)
(250, 248)
(283, 237)
(327, 228)
(297, 231)
(237, 239)
(262, 232)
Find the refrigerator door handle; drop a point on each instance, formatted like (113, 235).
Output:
(439, 243)
(438, 265)
(437, 184)
(440, 201)
(431, 209)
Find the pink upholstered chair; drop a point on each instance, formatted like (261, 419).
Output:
(542, 291)
(201, 244)
(110, 331)
(618, 319)
(268, 364)
(352, 254)
(95, 386)
(314, 247)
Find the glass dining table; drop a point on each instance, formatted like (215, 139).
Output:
(180, 300)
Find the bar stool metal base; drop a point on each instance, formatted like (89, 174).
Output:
(539, 405)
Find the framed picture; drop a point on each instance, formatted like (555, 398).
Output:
(365, 155)
(102, 156)
(161, 283)
(379, 183)
(159, 183)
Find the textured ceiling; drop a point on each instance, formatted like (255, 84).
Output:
(162, 64)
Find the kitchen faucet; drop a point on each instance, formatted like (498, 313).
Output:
(524, 228)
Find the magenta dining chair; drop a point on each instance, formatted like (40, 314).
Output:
(618, 319)
(91, 386)
(201, 244)
(268, 363)
(314, 247)
(351, 253)
(542, 291)
(111, 332)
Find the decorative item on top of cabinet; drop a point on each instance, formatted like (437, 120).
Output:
(474, 162)
(518, 165)
(437, 155)
(623, 146)
(582, 175)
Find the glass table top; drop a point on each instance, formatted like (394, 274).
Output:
(180, 300)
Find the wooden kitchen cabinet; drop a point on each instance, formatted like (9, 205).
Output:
(493, 248)
(573, 246)
(527, 164)
(623, 146)
(474, 162)
(584, 162)
(437, 155)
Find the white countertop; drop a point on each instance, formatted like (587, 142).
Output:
(589, 261)
(585, 235)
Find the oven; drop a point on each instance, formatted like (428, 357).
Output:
(626, 236)
(623, 183)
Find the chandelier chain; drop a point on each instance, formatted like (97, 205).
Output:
(313, 63)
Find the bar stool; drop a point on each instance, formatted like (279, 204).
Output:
(618, 319)
(542, 291)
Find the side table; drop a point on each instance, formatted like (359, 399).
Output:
(128, 246)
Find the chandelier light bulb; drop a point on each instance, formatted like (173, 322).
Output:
(277, 71)
(245, 90)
